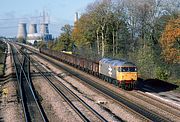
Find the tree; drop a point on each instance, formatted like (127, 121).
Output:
(66, 37)
(170, 41)
(84, 31)
(21, 40)
(50, 44)
(146, 62)
(99, 28)
(41, 44)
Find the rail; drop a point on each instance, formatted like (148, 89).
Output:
(31, 108)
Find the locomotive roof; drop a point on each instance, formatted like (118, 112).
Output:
(105, 60)
(116, 62)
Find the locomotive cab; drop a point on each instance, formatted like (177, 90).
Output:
(127, 72)
(127, 75)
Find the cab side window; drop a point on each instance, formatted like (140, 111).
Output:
(119, 69)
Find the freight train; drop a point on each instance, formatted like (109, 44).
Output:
(118, 72)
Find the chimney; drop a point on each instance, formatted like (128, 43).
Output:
(76, 17)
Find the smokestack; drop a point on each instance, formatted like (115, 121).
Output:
(22, 32)
(76, 17)
(32, 28)
(44, 28)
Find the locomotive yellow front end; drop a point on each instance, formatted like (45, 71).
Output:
(127, 75)
(119, 72)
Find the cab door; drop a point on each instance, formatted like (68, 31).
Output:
(118, 74)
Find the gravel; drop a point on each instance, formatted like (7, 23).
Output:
(55, 107)
(10, 109)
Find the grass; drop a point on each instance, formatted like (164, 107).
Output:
(2, 58)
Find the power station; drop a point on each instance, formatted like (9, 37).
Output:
(33, 34)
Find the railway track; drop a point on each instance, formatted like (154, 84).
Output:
(159, 101)
(148, 114)
(32, 109)
(85, 112)
(172, 112)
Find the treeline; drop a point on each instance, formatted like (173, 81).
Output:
(146, 32)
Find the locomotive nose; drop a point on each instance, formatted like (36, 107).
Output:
(129, 76)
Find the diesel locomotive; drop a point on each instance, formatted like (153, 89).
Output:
(118, 72)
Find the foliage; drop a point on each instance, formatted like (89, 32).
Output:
(50, 44)
(41, 44)
(59, 45)
(21, 40)
(64, 41)
(1, 69)
(83, 32)
(66, 37)
(102, 27)
(145, 61)
(3, 47)
(162, 73)
(170, 41)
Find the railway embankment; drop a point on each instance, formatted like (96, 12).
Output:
(3, 53)
(10, 109)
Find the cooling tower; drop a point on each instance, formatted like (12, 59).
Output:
(44, 28)
(22, 32)
(32, 28)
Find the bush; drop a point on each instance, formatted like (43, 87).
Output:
(145, 62)
(175, 71)
(1, 69)
(162, 73)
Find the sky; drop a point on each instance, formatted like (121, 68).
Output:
(60, 12)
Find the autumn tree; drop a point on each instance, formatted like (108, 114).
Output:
(83, 32)
(170, 41)
(102, 29)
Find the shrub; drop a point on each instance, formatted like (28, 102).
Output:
(162, 73)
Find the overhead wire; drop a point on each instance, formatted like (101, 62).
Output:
(7, 27)
(20, 18)
(17, 19)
